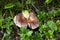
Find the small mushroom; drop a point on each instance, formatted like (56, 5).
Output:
(25, 18)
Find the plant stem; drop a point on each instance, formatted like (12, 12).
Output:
(35, 7)
(22, 4)
(11, 13)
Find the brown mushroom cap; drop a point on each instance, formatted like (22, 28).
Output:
(32, 22)
(20, 21)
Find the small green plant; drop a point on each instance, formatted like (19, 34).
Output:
(48, 16)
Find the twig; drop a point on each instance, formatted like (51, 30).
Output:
(35, 7)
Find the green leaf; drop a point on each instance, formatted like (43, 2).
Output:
(58, 22)
(18, 5)
(48, 1)
(50, 32)
(29, 33)
(30, 2)
(0, 13)
(52, 25)
(58, 29)
(41, 15)
(9, 5)
(1, 20)
(23, 30)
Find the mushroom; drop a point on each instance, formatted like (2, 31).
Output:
(25, 18)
